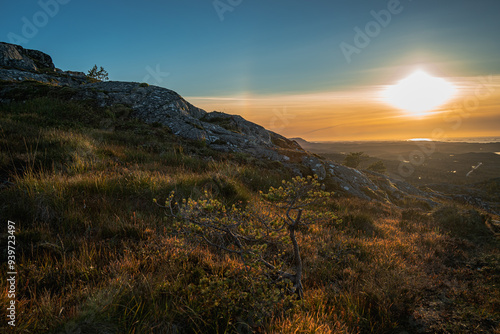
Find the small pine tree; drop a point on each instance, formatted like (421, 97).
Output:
(378, 167)
(353, 159)
(98, 74)
(247, 232)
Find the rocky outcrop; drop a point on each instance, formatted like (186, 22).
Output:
(58, 78)
(20, 64)
(396, 190)
(160, 105)
(236, 124)
(17, 57)
(41, 60)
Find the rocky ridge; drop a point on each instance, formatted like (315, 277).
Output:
(221, 131)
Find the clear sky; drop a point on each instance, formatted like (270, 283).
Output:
(300, 68)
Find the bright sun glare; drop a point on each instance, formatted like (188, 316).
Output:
(419, 93)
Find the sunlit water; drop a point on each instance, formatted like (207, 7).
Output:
(478, 140)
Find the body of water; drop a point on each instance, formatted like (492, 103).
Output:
(479, 140)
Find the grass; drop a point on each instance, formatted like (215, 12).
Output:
(94, 254)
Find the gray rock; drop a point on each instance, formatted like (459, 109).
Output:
(236, 124)
(10, 57)
(61, 79)
(347, 181)
(397, 190)
(316, 165)
(352, 182)
(230, 133)
(42, 60)
(16, 57)
(74, 74)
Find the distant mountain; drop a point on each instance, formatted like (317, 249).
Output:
(299, 140)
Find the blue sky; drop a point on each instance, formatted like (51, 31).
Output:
(260, 47)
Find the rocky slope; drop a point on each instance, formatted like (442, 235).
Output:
(221, 131)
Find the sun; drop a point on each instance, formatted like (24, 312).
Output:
(419, 93)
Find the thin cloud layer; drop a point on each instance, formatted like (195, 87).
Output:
(363, 114)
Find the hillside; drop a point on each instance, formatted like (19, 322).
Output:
(86, 168)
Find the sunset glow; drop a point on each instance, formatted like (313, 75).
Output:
(419, 93)
(365, 113)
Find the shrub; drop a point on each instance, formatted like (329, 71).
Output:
(378, 167)
(353, 159)
(97, 74)
(248, 232)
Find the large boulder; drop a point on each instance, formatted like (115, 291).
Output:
(16, 57)
(42, 60)
(10, 57)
